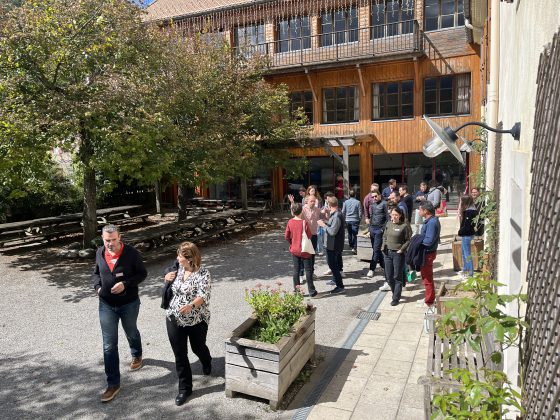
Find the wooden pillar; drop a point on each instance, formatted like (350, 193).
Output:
(365, 169)
(417, 105)
(346, 170)
(277, 186)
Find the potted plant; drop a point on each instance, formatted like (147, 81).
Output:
(268, 350)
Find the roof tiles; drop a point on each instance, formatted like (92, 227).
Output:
(165, 9)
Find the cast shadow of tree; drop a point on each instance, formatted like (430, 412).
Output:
(35, 386)
(264, 256)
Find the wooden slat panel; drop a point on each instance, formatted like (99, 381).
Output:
(542, 343)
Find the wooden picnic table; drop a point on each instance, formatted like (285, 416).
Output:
(48, 227)
(65, 218)
(193, 229)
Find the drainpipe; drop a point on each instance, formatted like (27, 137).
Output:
(493, 92)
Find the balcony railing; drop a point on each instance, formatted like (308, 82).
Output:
(372, 41)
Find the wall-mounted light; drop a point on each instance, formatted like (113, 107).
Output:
(446, 138)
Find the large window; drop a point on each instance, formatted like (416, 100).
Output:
(391, 17)
(340, 105)
(249, 39)
(339, 27)
(440, 14)
(393, 100)
(322, 173)
(293, 34)
(413, 168)
(447, 95)
(303, 100)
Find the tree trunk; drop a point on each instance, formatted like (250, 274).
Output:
(90, 207)
(182, 192)
(244, 203)
(89, 217)
(157, 191)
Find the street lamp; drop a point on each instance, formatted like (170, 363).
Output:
(446, 138)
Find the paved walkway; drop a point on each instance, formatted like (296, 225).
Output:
(51, 355)
(378, 377)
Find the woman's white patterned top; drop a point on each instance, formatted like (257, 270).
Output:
(185, 290)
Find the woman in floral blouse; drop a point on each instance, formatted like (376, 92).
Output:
(188, 315)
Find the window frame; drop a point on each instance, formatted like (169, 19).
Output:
(335, 100)
(458, 15)
(305, 39)
(252, 48)
(385, 96)
(402, 27)
(350, 34)
(301, 102)
(456, 101)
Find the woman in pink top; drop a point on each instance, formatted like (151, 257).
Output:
(294, 232)
(312, 214)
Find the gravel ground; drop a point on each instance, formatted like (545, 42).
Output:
(51, 360)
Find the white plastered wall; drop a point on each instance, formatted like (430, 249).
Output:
(526, 27)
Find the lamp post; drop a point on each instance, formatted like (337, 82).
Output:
(446, 138)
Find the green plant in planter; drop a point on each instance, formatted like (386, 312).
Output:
(468, 320)
(276, 311)
(477, 400)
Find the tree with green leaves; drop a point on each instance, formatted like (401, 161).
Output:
(81, 76)
(230, 122)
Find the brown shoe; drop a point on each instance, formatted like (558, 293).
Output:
(136, 363)
(110, 393)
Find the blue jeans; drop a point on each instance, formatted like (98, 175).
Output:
(352, 228)
(334, 259)
(466, 252)
(394, 271)
(320, 239)
(109, 318)
(376, 237)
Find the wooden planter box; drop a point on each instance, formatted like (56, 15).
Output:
(477, 245)
(267, 370)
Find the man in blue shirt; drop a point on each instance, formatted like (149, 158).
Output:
(431, 231)
(391, 188)
(352, 212)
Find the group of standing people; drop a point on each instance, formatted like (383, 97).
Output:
(117, 274)
(389, 224)
(388, 215)
(309, 217)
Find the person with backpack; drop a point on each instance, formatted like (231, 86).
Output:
(468, 228)
(434, 194)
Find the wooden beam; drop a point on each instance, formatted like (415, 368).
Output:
(311, 85)
(417, 105)
(361, 80)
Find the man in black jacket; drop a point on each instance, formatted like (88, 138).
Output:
(377, 220)
(118, 271)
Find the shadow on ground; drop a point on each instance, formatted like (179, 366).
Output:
(268, 252)
(35, 386)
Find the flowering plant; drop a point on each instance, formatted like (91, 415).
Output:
(276, 311)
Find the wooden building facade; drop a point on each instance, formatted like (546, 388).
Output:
(364, 72)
